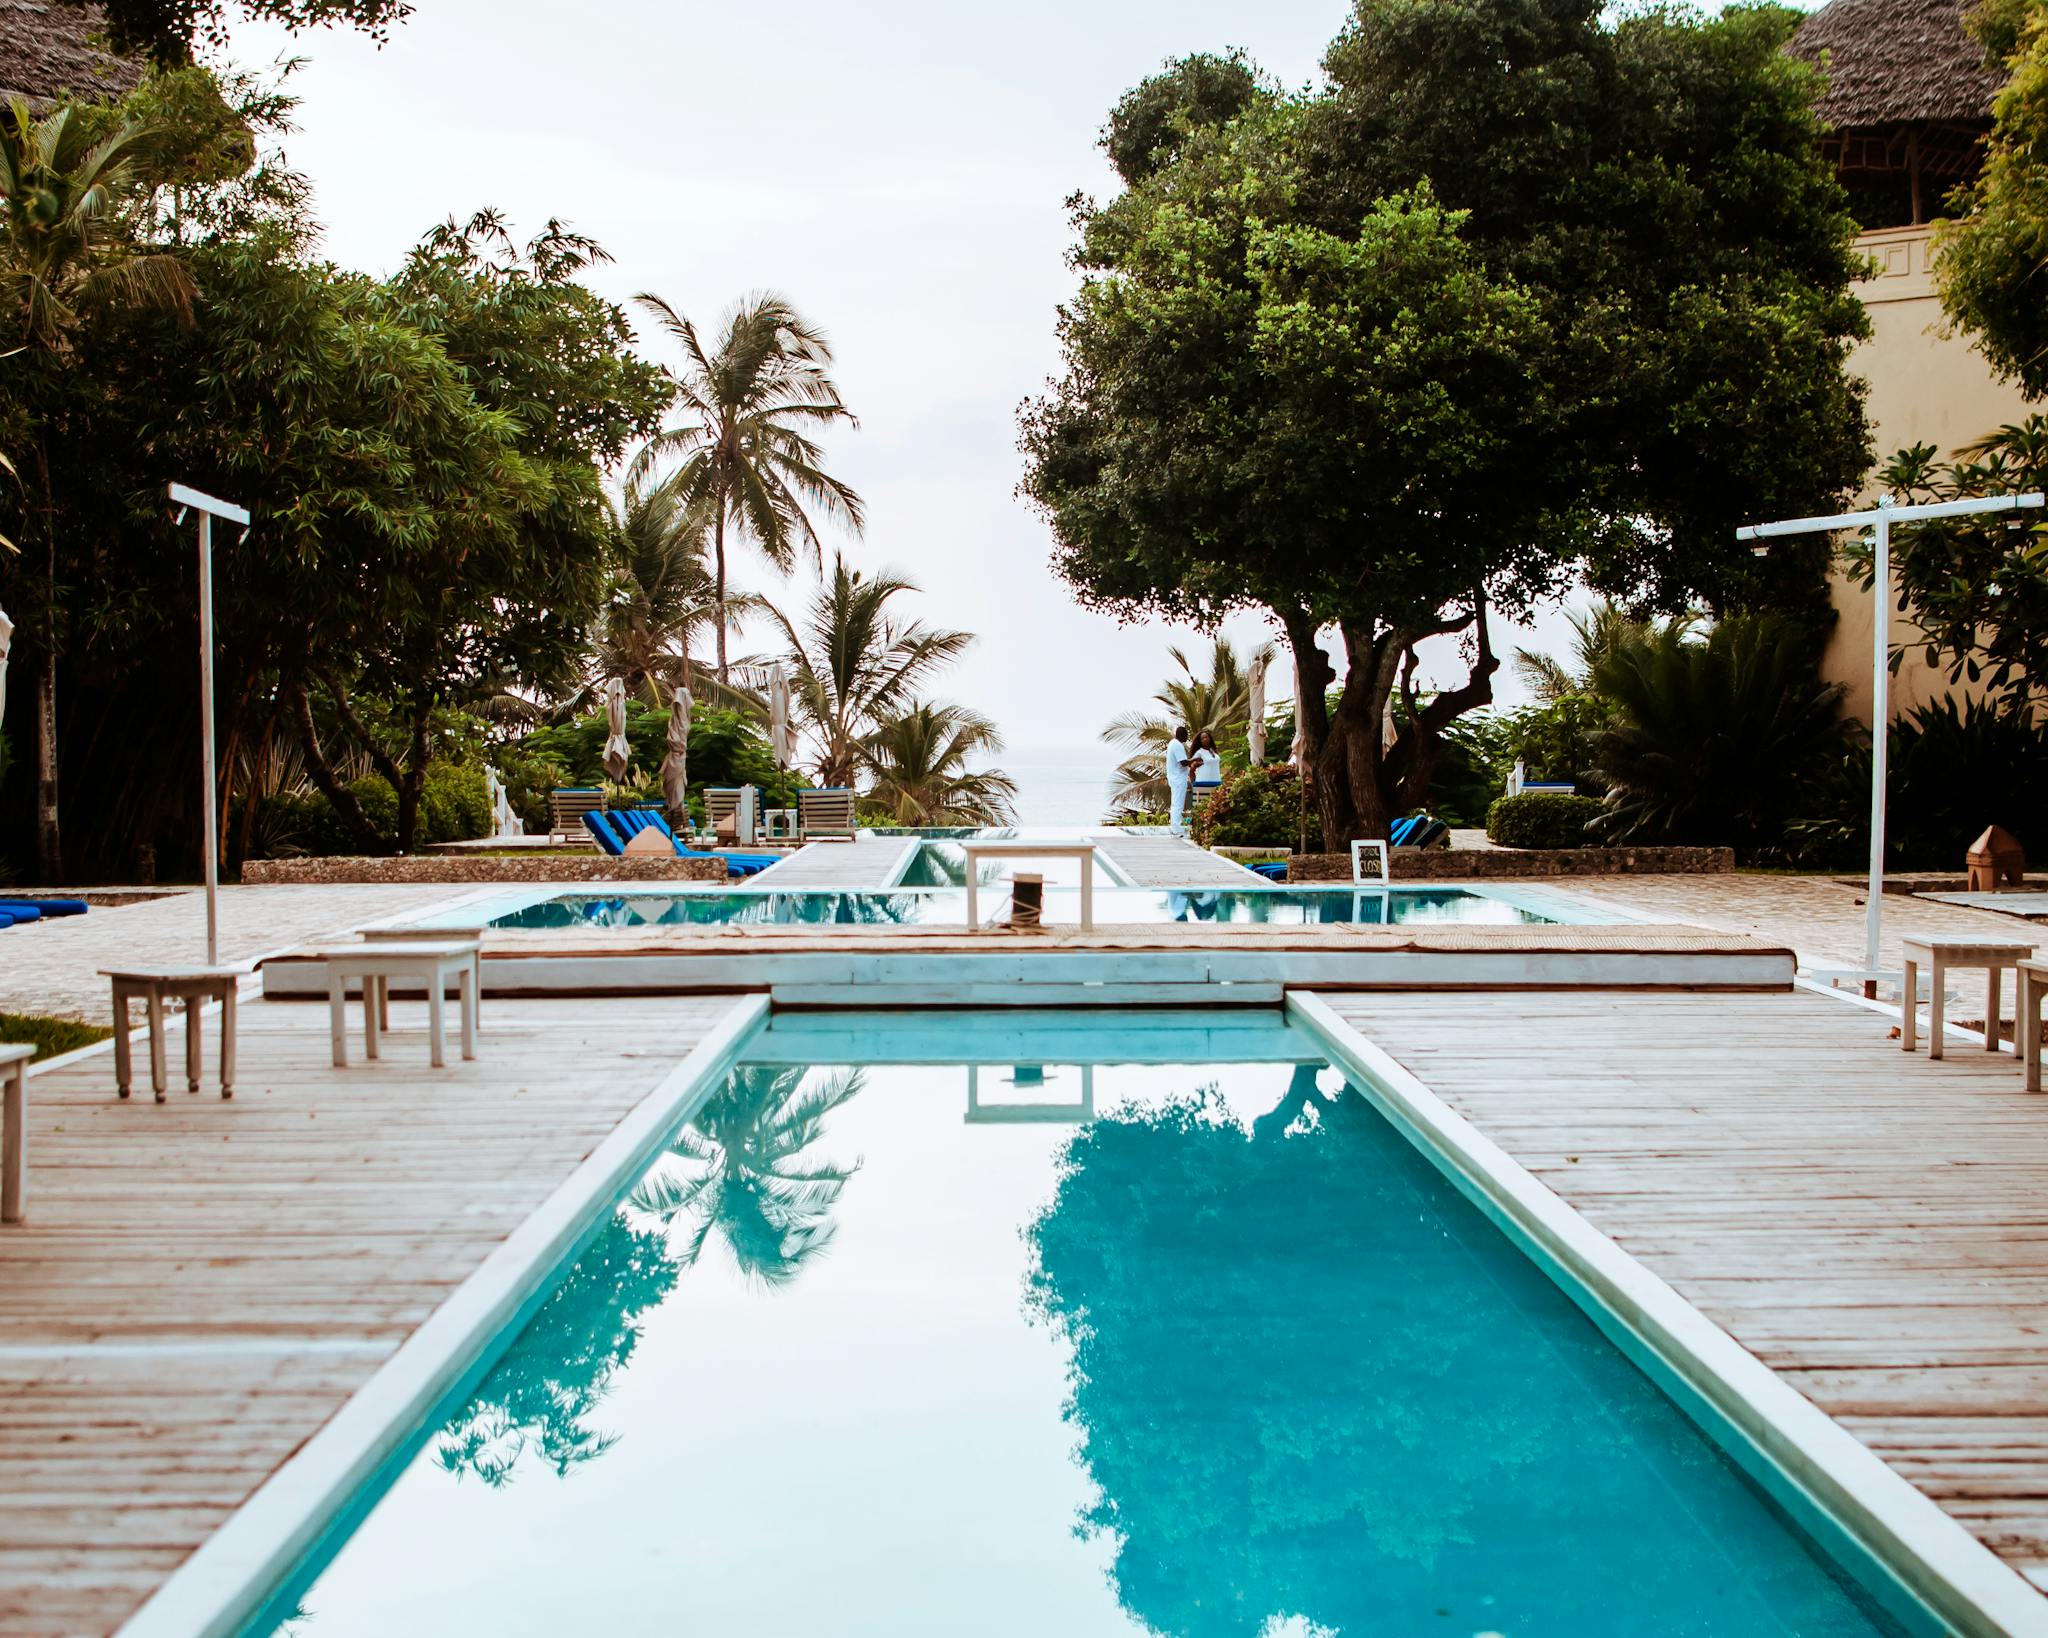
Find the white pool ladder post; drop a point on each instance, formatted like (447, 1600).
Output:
(1358, 861)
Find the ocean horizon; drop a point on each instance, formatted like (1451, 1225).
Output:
(1060, 785)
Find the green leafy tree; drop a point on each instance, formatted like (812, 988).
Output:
(167, 30)
(1989, 259)
(854, 665)
(1379, 359)
(917, 764)
(1219, 704)
(746, 452)
(1977, 587)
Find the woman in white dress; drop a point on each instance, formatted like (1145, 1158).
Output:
(1177, 768)
(1208, 769)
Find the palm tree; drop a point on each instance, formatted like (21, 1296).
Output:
(662, 593)
(71, 203)
(743, 1172)
(1219, 703)
(746, 457)
(1596, 635)
(853, 667)
(918, 760)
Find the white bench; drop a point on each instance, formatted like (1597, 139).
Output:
(376, 964)
(13, 1129)
(1938, 955)
(153, 986)
(2026, 1023)
(1012, 848)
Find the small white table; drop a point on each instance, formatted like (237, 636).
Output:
(1014, 849)
(2026, 1024)
(153, 986)
(1938, 955)
(376, 964)
(14, 1129)
(427, 935)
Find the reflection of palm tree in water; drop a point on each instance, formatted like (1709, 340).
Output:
(738, 1169)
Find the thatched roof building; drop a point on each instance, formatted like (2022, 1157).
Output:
(1908, 97)
(47, 52)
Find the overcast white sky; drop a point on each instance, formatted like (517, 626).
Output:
(897, 170)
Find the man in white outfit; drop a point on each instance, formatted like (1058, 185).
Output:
(1177, 760)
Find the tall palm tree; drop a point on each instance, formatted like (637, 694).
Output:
(918, 760)
(69, 205)
(1218, 703)
(742, 1171)
(746, 456)
(853, 666)
(662, 593)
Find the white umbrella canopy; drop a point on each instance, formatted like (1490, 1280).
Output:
(6, 631)
(675, 766)
(1255, 730)
(781, 731)
(618, 755)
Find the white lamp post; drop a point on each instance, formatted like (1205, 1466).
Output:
(208, 509)
(1880, 520)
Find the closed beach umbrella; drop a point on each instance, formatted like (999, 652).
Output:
(1255, 731)
(781, 737)
(6, 631)
(618, 755)
(675, 766)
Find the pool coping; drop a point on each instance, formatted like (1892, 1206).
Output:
(226, 1581)
(1933, 1556)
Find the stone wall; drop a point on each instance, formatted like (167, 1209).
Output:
(482, 868)
(1508, 863)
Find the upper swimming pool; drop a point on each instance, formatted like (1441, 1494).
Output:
(1273, 906)
(1034, 1323)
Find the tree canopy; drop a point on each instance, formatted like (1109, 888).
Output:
(167, 30)
(1375, 358)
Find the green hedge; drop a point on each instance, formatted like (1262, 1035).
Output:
(455, 805)
(1542, 819)
(1260, 807)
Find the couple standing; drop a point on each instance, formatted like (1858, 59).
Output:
(1190, 765)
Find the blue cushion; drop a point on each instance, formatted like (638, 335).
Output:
(48, 907)
(1274, 870)
(600, 825)
(18, 911)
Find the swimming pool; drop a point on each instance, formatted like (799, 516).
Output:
(1030, 1324)
(1271, 906)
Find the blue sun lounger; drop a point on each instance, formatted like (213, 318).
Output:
(1274, 870)
(46, 907)
(614, 828)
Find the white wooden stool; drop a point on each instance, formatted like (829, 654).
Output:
(376, 964)
(1939, 955)
(13, 1129)
(2026, 1024)
(426, 935)
(153, 986)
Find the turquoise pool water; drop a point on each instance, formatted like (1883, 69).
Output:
(1272, 906)
(1025, 1324)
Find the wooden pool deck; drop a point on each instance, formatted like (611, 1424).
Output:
(200, 1285)
(866, 861)
(1872, 1226)
(1170, 861)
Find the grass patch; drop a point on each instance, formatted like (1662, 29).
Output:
(50, 1035)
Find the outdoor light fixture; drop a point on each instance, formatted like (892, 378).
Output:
(188, 501)
(1880, 522)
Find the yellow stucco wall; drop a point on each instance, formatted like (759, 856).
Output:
(1924, 388)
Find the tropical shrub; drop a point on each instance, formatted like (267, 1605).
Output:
(1951, 770)
(1261, 807)
(1714, 736)
(1542, 819)
(726, 748)
(455, 805)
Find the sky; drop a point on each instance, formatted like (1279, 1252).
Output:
(899, 171)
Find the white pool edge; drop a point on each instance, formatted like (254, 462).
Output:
(1961, 1580)
(225, 1583)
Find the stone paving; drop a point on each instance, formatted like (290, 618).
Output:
(53, 967)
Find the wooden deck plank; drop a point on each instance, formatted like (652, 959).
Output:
(1171, 861)
(1872, 1226)
(279, 1247)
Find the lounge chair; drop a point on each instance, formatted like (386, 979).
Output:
(613, 831)
(1274, 870)
(47, 907)
(1418, 830)
(568, 804)
(825, 814)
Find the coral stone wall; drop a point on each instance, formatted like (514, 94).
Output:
(1508, 863)
(441, 867)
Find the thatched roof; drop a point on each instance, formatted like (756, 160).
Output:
(1896, 61)
(46, 53)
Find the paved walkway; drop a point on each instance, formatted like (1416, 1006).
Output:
(1819, 917)
(53, 967)
(1869, 1225)
(200, 1285)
